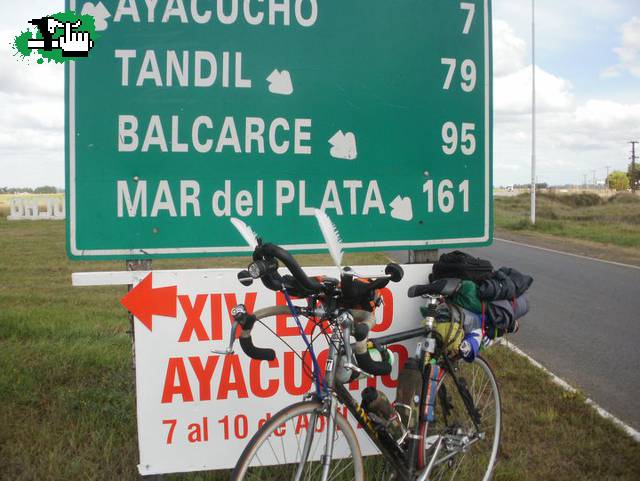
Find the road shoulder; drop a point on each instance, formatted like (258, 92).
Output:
(607, 252)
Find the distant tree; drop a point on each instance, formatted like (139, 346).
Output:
(45, 189)
(618, 181)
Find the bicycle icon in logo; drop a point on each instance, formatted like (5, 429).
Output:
(72, 43)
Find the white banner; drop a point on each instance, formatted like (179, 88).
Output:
(197, 410)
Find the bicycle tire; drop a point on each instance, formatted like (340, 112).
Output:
(481, 454)
(270, 467)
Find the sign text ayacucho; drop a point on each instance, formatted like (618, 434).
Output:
(189, 112)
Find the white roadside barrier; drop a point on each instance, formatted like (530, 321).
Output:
(28, 208)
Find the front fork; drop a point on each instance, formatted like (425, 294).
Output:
(328, 447)
(307, 446)
(329, 408)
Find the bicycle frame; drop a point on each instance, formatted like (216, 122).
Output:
(387, 445)
(330, 393)
(403, 463)
(381, 438)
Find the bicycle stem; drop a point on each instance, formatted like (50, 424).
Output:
(430, 318)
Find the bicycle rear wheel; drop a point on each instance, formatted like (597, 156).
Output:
(467, 452)
(290, 445)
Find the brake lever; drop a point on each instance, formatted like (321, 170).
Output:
(353, 367)
(229, 349)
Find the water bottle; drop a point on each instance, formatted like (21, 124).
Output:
(381, 412)
(408, 392)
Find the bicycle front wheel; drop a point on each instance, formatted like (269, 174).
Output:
(465, 444)
(290, 447)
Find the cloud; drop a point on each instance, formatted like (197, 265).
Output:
(589, 137)
(561, 26)
(512, 78)
(573, 137)
(508, 49)
(22, 76)
(31, 119)
(610, 72)
(513, 93)
(605, 115)
(628, 51)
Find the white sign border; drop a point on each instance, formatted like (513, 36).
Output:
(73, 248)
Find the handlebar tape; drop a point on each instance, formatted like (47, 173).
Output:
(364, 322)
(272, 281)
(272, 250)
(377, 368)
(254, 352)
(247, 321)
(378, 284)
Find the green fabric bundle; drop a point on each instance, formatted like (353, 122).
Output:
(467, 297)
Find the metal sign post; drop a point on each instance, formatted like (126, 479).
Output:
(138, 265)
(185, 115)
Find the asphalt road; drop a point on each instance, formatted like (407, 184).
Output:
(584, 323)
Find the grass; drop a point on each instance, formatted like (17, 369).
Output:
(580, 216)
(67, 395)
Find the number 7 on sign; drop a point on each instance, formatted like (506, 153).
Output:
(471, 10)
(172, 426)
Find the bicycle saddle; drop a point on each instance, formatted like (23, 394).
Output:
(443, 287)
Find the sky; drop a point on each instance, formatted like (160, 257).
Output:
(587, 78)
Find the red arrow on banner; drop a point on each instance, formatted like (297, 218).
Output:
(144, 302)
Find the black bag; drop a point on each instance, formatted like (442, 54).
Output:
(461, 266)
(505, 283)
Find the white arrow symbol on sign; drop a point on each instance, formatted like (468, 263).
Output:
(402, 208)
(343, 145)
(280, 82)
(100, 14)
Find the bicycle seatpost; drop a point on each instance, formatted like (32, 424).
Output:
(432, 305)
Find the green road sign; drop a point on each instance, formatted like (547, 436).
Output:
(188, 112)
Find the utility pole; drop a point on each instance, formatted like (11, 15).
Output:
(584, 183)
(533, 112)
(593, 172)
(633, 164)
(606, 179)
